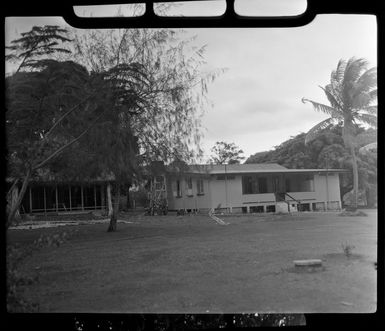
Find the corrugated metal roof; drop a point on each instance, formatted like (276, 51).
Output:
(214, 169)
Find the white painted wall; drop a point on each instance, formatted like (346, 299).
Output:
(194, 201)
(320, 187)
(215, 193)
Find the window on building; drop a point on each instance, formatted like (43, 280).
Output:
(178, 189)
(300, 183)
(189, 186)
(254, 185)
(270, 209)
(262, 185)
(200, 189)
(249, 185)
(306, 183)
(159, 182)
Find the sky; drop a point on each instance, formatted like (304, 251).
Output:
(256, 103)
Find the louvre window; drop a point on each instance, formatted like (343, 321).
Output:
(200, 188)
(254, 185)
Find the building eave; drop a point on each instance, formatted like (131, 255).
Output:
(259, 171)
(273, 171)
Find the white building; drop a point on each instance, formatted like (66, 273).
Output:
(253, 188)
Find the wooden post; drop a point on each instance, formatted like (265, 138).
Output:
(56, 199)
(45, 202)
(69, 186)
(30, 199)
(81, 195)
(95, 196)
(102, 196)
(109, 201)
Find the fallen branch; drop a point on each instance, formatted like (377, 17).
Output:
(215, 218)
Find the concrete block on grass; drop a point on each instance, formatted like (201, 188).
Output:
(308, 263)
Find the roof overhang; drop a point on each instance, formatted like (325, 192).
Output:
(263, 171)
(286, 171)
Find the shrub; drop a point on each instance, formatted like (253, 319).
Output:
(347, 249)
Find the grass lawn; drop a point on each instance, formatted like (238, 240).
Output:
(176, 264)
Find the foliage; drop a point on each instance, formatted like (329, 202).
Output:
(294, 153)
(35, 102)
(40, 99)
(173, 93)
(35, 45)
(352, 94)
(226, 153)
(131, 97)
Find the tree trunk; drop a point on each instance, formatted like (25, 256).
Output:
(344, 190)
(109, 200)
(355, 177)
(128, 198)
(115, 209)
(14, 196)
(13, 209)
(348, 138)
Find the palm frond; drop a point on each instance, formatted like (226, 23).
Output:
(335, 113)
(328, 89)
(353, 69)
(362, 100)
(373, 94)
(315, 130)
(368, 78)
(368, 119)
(365, 83)
(338, 74)
(371, 110)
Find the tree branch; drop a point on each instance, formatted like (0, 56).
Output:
(66, 114)
(12, 187)
(41, 164)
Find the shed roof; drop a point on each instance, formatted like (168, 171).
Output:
(217, 169)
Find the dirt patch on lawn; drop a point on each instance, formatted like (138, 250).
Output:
(306, 269)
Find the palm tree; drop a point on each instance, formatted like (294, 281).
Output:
(352, 93)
